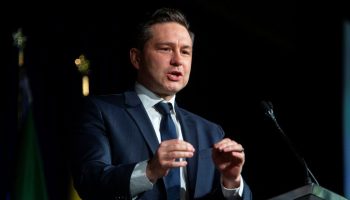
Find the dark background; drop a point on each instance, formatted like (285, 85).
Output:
(287, 52)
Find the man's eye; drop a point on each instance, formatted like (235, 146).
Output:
(165, 49)
(186, 52)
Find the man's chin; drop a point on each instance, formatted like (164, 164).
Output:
(173, 90)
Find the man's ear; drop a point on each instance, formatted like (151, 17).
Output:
(135, 57)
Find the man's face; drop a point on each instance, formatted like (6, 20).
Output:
(164, 65)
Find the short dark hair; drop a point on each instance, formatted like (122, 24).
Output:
(161, 15)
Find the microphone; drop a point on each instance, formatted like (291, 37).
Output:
(268, 111)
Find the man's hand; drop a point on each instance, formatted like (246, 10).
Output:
(168, 156)
(229, 159)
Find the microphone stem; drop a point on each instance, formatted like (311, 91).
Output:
(309, 177)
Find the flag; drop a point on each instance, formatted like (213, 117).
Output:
(83, 65)
(73, 195)
(29, 183)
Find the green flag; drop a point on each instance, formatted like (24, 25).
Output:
(30, 181)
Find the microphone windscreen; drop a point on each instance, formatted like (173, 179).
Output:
(267, 107)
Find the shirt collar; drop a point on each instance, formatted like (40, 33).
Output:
(149, 98)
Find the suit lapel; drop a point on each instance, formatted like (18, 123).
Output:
(139, 114)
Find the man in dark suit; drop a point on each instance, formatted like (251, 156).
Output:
(119, 152)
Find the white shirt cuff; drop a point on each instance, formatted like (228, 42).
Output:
(232, 193)
(139, 182)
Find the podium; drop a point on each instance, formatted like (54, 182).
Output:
(309, 192)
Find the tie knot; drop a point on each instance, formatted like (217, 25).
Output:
(164, 108)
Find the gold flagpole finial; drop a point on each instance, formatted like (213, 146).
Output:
(83, 66)
(19, 41)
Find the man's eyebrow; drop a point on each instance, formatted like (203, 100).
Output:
(172, 43)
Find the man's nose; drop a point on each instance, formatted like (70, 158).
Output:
(176, 58)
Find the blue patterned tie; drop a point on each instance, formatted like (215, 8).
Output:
(168, 132)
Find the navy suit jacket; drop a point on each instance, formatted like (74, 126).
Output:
(114, 133)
